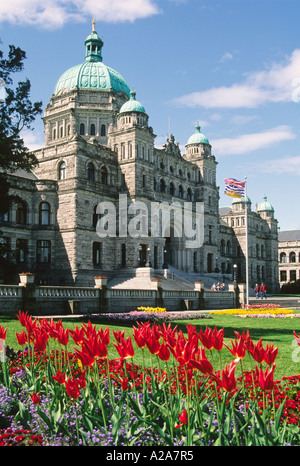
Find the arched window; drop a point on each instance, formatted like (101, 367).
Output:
(93, 130)
(62, 171)
(222, 247)
(172, 189)
(189, 194)
(180, 191)
(21, 213)
(103, 175)
(82, 129)
(162, 186)
(292, 257)
(283, 258)
(44, 213)
(103, 130)
(91, 172)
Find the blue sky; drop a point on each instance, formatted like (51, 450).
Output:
(231, 65)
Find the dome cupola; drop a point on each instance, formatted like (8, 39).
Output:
(198, 137)
(132, 105)
(93, 74)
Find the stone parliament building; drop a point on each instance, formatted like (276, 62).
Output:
(98, 146)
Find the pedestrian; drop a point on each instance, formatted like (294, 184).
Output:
(263, 293)
(256, 290)
(213, 288)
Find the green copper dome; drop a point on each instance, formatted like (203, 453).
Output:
(92, 74)
(242, 199)
(198, 137)
(265, 206)
(132, 105)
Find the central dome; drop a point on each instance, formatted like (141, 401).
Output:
(92, 74)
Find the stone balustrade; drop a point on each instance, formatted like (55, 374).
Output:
(59, 300)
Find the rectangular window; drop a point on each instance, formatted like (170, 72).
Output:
(97, 253)
(43, 252)
(4, 247)
(292, 275)
(21, 250)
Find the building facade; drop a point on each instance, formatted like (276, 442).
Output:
(99, 150)
(289, 256)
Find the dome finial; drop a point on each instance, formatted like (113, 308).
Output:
(198, 127)
(93, 24)
(132, 94)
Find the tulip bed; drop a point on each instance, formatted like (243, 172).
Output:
(63, 387)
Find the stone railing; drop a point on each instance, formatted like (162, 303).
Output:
(60, 300)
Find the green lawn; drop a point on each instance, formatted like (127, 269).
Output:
(276, 331)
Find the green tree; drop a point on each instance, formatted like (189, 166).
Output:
(17, 112)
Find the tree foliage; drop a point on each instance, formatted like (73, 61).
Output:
(16, 113)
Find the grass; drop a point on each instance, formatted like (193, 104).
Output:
(278, 332)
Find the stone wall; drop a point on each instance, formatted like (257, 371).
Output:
(61, 300)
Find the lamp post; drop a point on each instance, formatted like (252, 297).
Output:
(148, 263)
(234, 273)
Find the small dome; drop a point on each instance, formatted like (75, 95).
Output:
(132, 105)
(198, 137)
(92, 74)
(236, 200)
(265, 206)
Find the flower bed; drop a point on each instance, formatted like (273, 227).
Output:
(151, 316)
(52, 394)
(270, 310)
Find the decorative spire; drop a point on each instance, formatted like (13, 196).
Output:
(132, 94)
(93, 44)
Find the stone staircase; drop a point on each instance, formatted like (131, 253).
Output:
(140, 278)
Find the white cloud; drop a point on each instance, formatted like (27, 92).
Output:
(226, 56)
(279, 83)
(246, 143)
(51, 14)
(289, 165)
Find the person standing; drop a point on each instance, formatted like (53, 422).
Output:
(256, 290)
(263, 293)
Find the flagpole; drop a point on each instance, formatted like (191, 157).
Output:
(247, 249)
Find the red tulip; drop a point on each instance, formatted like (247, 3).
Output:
(124, 384)
(104, 335)
(3, 333)
(164, 353)
(72, 387)
(218, 337)
(152, 343)
(258, 352)
(183, 418)
(238, 349)
(86, 358)
(265, 379)
(35, 398)
(77, 335)
(125, 348)
(22, 338)
(206, 338)
(270, 354)
(59, 377)
(40, 340)
(297, 337)
(139, 336)
(228, 381)
(119, 335)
